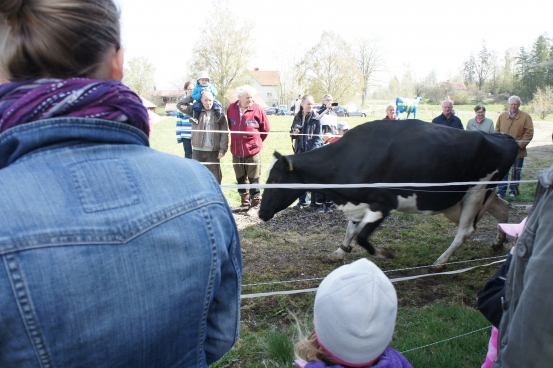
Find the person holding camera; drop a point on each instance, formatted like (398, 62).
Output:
(326, 111)
(306, 135)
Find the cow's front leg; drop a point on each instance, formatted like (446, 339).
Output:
(363, 240)
(351, 230)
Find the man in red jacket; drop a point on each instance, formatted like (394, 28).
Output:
(248, 124)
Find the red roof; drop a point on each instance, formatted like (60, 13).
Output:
(267, 77)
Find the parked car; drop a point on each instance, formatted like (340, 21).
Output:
(340, 111)
(270, 111)
(276, 111)
(283, 110)
(357, 113)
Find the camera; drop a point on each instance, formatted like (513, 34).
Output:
(335, 104)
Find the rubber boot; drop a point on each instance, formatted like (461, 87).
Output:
(245, 205)
(254, 207)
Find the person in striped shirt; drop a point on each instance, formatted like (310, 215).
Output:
(184, 126)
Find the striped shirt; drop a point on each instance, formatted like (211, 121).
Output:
(184, 126)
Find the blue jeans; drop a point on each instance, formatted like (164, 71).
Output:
(187, 148)
(502, 188)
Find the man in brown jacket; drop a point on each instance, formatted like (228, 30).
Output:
(209, 143)
(517, 124)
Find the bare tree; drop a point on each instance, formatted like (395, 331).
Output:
(291, 79)
(478, 68)
(139, 75)
(369, 60)
(328, 68)
(223, 50)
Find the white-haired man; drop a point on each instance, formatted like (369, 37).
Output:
(249, 126)
(447, 117)
(519, 125)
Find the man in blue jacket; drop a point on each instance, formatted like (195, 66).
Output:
(447, 117)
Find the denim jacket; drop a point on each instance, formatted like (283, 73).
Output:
(112, 254)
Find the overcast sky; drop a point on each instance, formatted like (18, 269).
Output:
(422, 35)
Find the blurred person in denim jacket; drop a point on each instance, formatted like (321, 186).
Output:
(112, 254)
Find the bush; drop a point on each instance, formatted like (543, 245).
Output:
(461, 98)
(542, 103)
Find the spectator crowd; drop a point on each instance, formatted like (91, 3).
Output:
(100, 271)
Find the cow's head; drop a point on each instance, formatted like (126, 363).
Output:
(281, 171)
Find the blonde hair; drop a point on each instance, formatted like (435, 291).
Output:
(309, 350)
(56, 38)
(390, 107)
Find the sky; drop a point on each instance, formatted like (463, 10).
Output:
(419, 35)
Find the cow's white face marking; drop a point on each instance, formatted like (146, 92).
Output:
(271, 166)
(360, 213)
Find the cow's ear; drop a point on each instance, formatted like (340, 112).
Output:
(277, 155)
(288, 162)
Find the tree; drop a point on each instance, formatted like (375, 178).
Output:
(523, 73)
(369, 60)
(539, 58)
(291, 79)
(542, 103)
(327, 67)
(139, 75)
(223, 50)
(477, 69)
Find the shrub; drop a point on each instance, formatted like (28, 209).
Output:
(542, 103)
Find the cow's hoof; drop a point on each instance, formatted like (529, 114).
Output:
(497, 246)
(336, 256)
(436, 268)
(383, 253)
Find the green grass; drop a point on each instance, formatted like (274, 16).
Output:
(439, 324)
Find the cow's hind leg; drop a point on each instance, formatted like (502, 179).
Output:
(339, 254)
(499, 209)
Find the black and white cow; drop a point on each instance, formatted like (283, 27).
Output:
(405, 151)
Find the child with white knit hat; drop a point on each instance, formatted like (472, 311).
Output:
(354, 316)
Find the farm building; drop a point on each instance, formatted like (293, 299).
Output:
(267, 84)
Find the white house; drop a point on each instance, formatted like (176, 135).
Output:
(267, 84)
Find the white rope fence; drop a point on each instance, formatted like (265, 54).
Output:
(386, 271)
(367, 185)
(398, 279)
(446, 340)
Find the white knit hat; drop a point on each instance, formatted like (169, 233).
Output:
(355, 313)
(202, 74)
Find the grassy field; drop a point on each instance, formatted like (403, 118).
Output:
(432, 310)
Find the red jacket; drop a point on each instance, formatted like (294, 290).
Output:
(253, 120)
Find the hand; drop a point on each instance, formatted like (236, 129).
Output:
(296, 131)
(220, 155)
